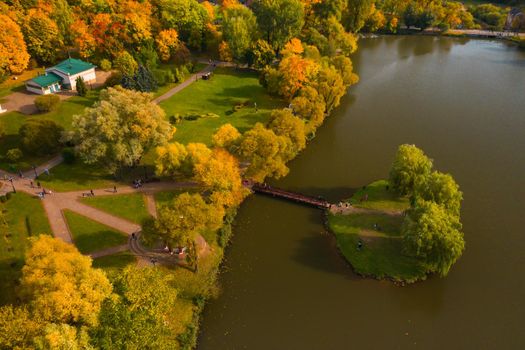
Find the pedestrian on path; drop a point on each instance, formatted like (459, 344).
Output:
(92, 193)
(38, 184)
(20, 174)
(255, 105)
(32, 184)
(46, 171)
(114, 189)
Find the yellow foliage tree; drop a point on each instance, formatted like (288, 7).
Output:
(226, 136)
(13, 51)
(170, 158)
(167, 43)
(60, 285)
(293, 47)
(84, 41)
(225, 54)
(295, 72)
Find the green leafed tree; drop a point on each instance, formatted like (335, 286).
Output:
(41, 136)
(433, 234)
(441, 189)
(42, 36)
(356, 13)
(81, 86)
(238, 30)
(411, 166)
(119, 129)
(284, 123)
(279, 20)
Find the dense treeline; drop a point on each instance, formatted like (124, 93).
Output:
(127, 32)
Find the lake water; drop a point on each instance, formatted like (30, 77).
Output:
(285, 287)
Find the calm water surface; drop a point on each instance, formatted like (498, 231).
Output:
(285, 287)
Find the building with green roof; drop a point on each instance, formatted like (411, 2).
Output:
(62, 76)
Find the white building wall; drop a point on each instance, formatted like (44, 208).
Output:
(36, 90)
(88, 76)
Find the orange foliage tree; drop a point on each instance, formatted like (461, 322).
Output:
(13, 51)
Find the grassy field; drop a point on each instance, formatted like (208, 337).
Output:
(126, 206)
(25, 217)
(90, 236)
(219, 95)
(63, 116)
(381, 254)
(114, 262)
(165, 66)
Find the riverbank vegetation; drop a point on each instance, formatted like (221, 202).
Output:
(404, 228)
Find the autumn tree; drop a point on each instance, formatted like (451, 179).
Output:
(356, 13)
(18, 327)
(41, 36)
(140, 314)
(60, 285)
(410, 167)
(433, 234)
(221, 175)
(13, 52)
(265, 152)
(167, 43)
(126, 64)
(284, 123)
(227, 136)
(330, 86)
(261, 54)
(170, 158)
(294, 73)
(238, 30)
(310, 106)
(119, 129)
(279, 20)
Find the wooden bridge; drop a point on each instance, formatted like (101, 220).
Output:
(292, 196)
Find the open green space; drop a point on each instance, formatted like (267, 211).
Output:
(169, 66)
(218, 96)
(90, 236)
(379, 231)
(127, 206)
(24, 217)
(11, 84)
(12, 121)
(114, 262)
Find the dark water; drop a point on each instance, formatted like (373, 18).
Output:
(285, 287)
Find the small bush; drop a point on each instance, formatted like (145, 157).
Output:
(105, 65)
(3, 199)
(163, 77)
(69, 155)
(14, 154)
(47, 103)
(114, 79)
(41, 136)
(8, 196)
(192, 117)
(81, 87)
(175, 119)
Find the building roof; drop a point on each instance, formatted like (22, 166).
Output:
(73, 66)
(46, 80)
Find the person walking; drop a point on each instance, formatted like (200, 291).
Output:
(114, 189)
(92, 193)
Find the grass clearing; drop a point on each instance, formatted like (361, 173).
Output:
(218, 95)
(127, 206)
(90, 236)
(25, 217)
(115, 262)
(170, 66)
(381, 254)
(11, 85)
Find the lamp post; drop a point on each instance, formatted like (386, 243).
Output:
(12, 184)
(34, 169)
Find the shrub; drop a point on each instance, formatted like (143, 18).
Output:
(163, 77)
(3, 199)
(14, 154)
(47, 103)
(69, 155)
(41, 136)
(175, 119)
(105, 64)
(8, 196)
(81, 86)
(114, 79)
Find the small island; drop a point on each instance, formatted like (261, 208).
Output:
(404, 228)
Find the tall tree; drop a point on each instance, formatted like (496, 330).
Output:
(279, 20)
(238, 30)
(42, 36)
(13, 51)
(356, 13)
(60, 285)
(119, 129)
(284, 123)
(410, 167)
(433, 234)
(441, 189)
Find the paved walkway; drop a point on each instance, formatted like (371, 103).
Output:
(193, 78)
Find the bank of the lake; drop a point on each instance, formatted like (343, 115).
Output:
(284, 285)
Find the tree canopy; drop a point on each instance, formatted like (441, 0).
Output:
(410, 166)
(119, 129)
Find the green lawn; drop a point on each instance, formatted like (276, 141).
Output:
(90, 236)
(381, 254)
(11, 85)
(127, 206)
(379, 198)
(218, 95)
(114, 262)
(169, 66)
(63, 116)
(25, 217)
